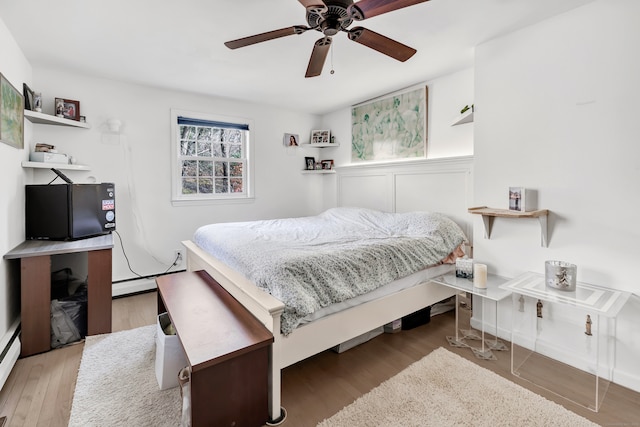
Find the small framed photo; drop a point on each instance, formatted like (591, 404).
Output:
(522, 199)
(28, 97)
(320, 136)
(68, 109)
(310, 163)
(327, 164)
(515, 198)
(291, 140)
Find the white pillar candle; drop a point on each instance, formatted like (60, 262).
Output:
(480, 275)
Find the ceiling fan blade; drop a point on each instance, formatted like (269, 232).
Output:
(382, 44)
(314, 6)
(318, 56)
(367, 8)
(263, 37)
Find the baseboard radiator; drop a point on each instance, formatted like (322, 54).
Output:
(10, 350)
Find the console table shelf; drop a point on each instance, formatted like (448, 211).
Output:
(488, 215)
(34, 258)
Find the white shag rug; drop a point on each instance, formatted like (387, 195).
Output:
(117, 383)
(444, 389)
(117, 386)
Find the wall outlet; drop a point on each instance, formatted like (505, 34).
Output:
(178, 257)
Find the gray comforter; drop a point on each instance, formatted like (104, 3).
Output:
(311, 262)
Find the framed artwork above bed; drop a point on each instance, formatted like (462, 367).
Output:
(390, 128)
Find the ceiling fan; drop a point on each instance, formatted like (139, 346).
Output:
(332, 16)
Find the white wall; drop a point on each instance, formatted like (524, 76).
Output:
(16, 69)
(557, 111)
(139, 164)
(447, 96)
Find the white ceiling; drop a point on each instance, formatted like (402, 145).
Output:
(179, 45)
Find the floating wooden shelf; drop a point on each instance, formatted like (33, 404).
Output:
(488, 215)
(48, 119)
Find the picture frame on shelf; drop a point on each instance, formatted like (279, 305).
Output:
(68, 109)
(515, 198)
(28, 97)
(310, 163)
(327, 164)
(11, 114)
(291, 140)
(522, 199)
(320, 136)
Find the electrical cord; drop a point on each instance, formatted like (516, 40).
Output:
(173, 264)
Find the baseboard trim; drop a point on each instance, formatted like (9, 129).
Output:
(132, 287)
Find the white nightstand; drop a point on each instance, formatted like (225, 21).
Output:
(493, 292)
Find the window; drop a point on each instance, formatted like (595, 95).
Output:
(211, 157)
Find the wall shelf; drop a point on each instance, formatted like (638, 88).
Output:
(323, 145)
(42, 165)
(488, 215)
(48, 119)
(319, 172)
(466, 117)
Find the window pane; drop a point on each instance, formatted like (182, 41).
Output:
(205, 168)
(235, 151)
(189, 167)
(232, 135)
(204, 134)
(236, 185)
(189, 186)
(205, 185)
(187, 132)
(235, 168)
(219, 150)
(204, 149)
(188, 148)
(216, 135)
(222, 185)
(222, 169)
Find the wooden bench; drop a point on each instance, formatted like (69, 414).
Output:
(226, 347)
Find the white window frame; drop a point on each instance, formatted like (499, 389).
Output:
(177, 198)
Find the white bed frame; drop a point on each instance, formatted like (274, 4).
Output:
(316, 336)
(434, 184)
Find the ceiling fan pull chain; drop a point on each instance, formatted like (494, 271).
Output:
(332, 70)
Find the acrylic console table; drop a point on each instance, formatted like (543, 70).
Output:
(492, 292)
(35, 287)
(560, 339)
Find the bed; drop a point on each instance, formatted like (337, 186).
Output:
(353, 270)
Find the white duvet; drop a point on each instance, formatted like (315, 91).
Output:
(312, 262)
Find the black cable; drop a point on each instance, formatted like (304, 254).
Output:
(173, 264)
(125, 254)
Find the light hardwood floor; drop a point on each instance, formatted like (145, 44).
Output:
(39, 391)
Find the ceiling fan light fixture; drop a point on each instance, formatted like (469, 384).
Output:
(333, 16)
